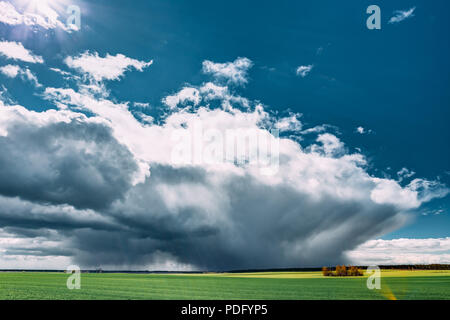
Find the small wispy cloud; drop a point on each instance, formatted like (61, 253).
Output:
(400, 15)
(142, 105)
(303, 71)
(404, 173)
(433, 212)
(362, 130)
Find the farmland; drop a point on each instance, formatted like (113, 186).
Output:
(259, 286)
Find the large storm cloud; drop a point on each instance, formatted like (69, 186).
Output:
(74, 162)
(102, 187)
(236, 222)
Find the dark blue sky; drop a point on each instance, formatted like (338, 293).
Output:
(393, 81)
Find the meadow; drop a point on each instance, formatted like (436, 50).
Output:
(409, 285)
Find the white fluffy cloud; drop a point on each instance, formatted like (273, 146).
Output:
(10, 70)
(186, 94)
(42, 16)
(390, 192)
(330, 145)
(16, 51)
(303, 71)
(400, 15)
(109, 67)
(232, 72)
(402, 251)
(13, 71)
(291, 123)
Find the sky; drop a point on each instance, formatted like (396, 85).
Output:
(99, 158)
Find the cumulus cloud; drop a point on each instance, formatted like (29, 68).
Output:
(109, 67)
(192, 96)
(400, 15)
(212, 92)
(123, 201)
(330, 145)
(291, 123)
(12, 71)
(303, 71)
(42, 16)
(78, 162)
(232, 72)
(186, 94)
(16, 51)
(402, 251)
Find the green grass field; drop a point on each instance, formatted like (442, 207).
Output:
(270, 286)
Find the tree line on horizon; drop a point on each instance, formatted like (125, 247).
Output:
(434, 266)
(343, 271)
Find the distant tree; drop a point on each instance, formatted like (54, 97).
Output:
(354, 272)
(341, 271)
(337, 270)
(326, 272)
(344, 271)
